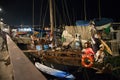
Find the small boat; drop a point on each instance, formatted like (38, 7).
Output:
(54, 72)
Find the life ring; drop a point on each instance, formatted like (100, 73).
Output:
(90, 60)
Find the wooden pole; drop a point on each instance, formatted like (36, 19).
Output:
(33, 15)
(85, 10)
(99, 3)
(51, 17)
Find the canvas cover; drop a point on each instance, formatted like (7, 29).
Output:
(84, 31)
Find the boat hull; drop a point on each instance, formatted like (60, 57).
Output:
(54, 72)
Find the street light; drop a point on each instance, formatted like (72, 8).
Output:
(1, 19)
(0, 9)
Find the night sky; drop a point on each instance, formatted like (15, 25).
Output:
(16, 12)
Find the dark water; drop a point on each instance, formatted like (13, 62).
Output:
(80, 73)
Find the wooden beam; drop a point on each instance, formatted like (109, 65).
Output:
(31, 51)
(23, 69)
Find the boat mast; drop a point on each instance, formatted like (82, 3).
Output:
(33, 16)
(99, 3)
(85, 9)
(51, 17)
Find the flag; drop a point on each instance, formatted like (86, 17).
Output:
(107, 30)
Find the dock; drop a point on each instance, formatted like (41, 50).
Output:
(23, 68)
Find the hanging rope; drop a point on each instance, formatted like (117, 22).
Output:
(44, 17)
(54, 13)
(64, 12)
(67, 12)
(41, 7)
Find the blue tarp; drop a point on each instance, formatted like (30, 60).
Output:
(102, 21)
(98, 22)
(82, 23)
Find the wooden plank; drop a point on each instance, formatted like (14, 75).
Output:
(23, 69)
(24, 40)
(115, 31)
(31, 51)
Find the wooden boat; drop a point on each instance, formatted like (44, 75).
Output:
(62, 57)
(58, 56)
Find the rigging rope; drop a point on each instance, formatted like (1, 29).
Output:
(64, 12)
(44, 17)
(41, 6)
(67, 12)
